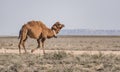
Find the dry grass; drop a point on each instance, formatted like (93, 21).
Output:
(62, 61)
(59, 62)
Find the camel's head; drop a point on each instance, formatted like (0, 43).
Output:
(57, 27)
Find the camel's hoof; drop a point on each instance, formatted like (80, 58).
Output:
(32, 50)
(55, 36)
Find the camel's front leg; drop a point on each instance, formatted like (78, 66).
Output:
(43, 40)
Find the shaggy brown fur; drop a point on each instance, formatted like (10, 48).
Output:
(37, 30)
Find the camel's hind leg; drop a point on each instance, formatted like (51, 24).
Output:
(23, 38)
(22, 42)
(19, 46)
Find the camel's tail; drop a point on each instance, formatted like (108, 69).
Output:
(19, 34)
(22, 32)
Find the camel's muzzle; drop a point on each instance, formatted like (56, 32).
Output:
(55, 35)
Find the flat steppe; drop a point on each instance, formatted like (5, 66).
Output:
(63, 54)
(66, 43)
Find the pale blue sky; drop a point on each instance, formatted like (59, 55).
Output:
(75, 14)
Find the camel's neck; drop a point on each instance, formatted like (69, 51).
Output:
(51, 33)
(55, 34)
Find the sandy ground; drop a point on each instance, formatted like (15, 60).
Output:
(67, 51)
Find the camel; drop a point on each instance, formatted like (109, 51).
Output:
(39, 31)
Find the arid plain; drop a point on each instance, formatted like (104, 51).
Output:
(79, 43)
(63, 54)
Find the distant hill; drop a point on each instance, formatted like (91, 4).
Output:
(89, 32)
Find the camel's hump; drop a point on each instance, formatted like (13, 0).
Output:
(36, 23)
